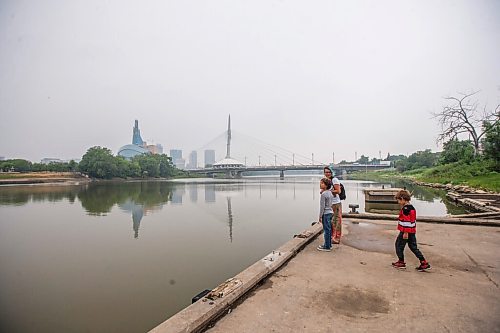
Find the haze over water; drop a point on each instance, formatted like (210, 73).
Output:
(122, 257)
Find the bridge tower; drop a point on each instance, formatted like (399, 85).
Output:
(228, 150)
(232, 166)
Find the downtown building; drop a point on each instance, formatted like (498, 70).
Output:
(209, 157)
(177, 160)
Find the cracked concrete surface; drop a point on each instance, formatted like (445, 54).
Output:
(355, 289)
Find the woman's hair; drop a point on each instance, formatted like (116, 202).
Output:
(327, 182)
(403, 194)
(327, 168)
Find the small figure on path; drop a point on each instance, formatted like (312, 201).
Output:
(336, 205)
(407, 229)
(325, 213)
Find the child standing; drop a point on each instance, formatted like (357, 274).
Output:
(325, 213)
(407, 229)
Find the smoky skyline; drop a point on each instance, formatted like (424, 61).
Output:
(308, 76)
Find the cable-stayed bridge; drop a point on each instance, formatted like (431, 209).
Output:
(254, 155)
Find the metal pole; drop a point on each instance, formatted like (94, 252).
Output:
(259, 160)
(274, 159)
(245, 161)
(312, 158)
(333, 157)
(293, 159)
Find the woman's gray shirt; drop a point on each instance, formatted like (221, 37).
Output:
(325, 203)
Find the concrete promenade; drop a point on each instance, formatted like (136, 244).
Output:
(355, 289)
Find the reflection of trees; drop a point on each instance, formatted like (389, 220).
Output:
(98, 199)
(136, 198)
(422, 193)
(20, 195)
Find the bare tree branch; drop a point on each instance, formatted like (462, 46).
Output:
(461, 116)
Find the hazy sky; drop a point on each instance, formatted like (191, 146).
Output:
(310, 76)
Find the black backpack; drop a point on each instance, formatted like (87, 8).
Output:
(342, 192)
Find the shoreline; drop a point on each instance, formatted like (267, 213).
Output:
(271, 294)
(373, 176)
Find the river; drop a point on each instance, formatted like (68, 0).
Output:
(123, 257)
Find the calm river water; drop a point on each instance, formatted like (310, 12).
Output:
(123, 257)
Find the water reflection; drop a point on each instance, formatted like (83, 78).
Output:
(99, 199)
(230, 218)
(96, 250)
(140, 198)
(20, 195)
(137, 214)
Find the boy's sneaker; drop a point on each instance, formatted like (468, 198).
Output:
(323, 248)
(399, 264)
(424, 266)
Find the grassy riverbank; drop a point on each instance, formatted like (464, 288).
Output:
(475, 174)
(47, 177)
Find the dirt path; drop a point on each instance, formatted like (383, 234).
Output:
(355, 289)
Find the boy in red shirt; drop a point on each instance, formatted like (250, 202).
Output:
(407, 228)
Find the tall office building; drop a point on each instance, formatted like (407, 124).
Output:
(193, 160)
(177, 160)
(209, 157)
(175, 154)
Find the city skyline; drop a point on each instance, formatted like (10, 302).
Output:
(76, 74)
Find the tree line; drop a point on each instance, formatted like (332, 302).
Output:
(99, 162)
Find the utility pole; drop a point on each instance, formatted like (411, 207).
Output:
(245, 161)
(333, 158)
(355, 156)
(312, 158)
(274, 159)
(259, 160)
(293, 159)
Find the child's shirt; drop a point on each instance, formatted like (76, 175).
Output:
(325, 203)
(407, 219)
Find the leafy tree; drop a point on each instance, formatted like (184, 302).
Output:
(150, 166)
(167, 169)
(363, 159)
(72, 165)
(401, 164)
(456, 151)
(18, 165)
(394, 157)
(99, 162)
(491, 143)
(421, 159)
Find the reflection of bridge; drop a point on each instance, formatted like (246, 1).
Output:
(237, 171)
(232, 168)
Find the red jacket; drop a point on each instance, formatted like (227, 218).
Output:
(407, 219)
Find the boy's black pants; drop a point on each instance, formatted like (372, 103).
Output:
(412, 244)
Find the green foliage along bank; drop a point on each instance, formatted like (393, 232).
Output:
(99, 162)
(457, 164)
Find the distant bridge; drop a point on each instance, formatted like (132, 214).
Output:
(237, 171)
(233, 168)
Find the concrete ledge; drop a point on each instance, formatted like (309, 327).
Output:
(197, 316)
(489, 222)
